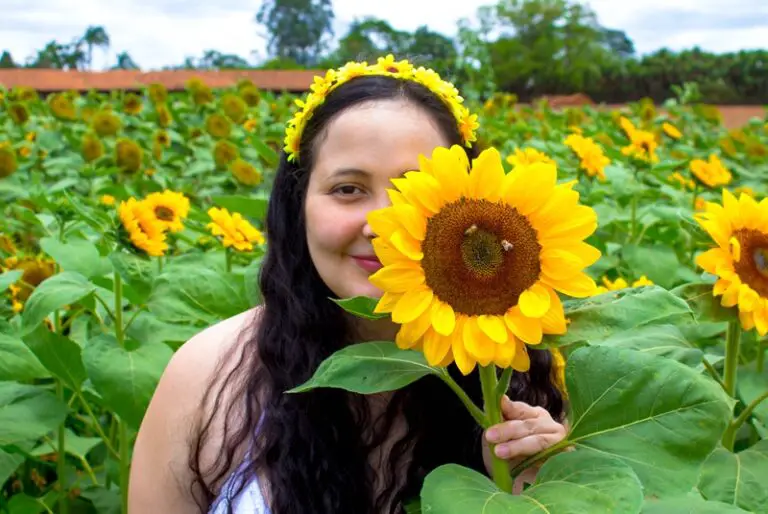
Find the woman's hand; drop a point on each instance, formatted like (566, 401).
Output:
(525, 431)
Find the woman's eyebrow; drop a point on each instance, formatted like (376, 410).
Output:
(348, 172)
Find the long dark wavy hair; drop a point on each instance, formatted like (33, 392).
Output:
(312, 446)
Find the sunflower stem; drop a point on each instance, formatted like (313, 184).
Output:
(118, 314)
(503, 385)
(732, 340)
(492, 400)
(473, 409)
(760, 356)
(729, 437)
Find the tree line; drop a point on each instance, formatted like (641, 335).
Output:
(526, 47)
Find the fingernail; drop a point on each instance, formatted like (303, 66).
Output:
(492, 434)
(501, 451)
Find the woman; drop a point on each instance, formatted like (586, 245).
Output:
(220, 435)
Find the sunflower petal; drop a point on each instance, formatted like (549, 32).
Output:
(761, 320)
(748, 298)
(553, 322)
(435, 347)
(410, 218)
(410, 334)
(464, 361)
(528, 330)
(521, 362)
(421, 188)
(478, 345)
(586, 253)
(387, 302)
(382, 221)
(535, 301)
(578, 286)
(710, 259)
(443, 318)
(528, 186)
(486, 176)
(398, 278)
(493, 327)
(559, 264)
(505, 353)
(580, 223)
(731, 295)
(406, 245)
(412, 305)
(388, 254)
(450, 168)
(721, 286)
(747, 320)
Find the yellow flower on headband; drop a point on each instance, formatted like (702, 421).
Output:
(385, 66)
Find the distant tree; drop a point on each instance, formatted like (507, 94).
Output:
(59, 56)
(618, 42)
(95, 36)
(297, 29)
(6, 61)
(125, 62)
(369, 38)
(215, 60)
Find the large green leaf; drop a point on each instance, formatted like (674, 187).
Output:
(73, 445)
(362, 306)
(367, 368)
(659, 416)
(704, 305)
(8, 278)
(750, 385)
(54, 293)
(568, 483)
(125, 379)
(663, 340)
(659, 263)
(60, 355)
(27, 412)
(250, 206)
(76, 255)
(599, 317)
(198, 295)
(737, 478)
(148, 329)
(689, 504)
(17, 362)
(9, 462)
(137, 273)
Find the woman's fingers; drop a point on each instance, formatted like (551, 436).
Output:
(520, 428)
(519, 410)
(527, 446)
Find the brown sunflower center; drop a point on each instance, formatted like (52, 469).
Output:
(752, 268)
(163, 213)
(479, 256)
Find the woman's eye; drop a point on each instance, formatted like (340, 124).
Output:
(346, 190)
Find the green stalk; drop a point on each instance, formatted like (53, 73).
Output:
(473, 409)
(729, 437)
(124, 465)
(760, 356)
(124, 443)
(61, 461)
(732, 340)
(118, 314)
(499, 467)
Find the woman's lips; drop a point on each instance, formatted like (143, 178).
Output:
(368, 263)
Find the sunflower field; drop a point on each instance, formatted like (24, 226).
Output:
(130, 221)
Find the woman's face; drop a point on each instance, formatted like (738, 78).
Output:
(364, 147)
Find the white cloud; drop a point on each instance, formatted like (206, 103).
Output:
(165, 32)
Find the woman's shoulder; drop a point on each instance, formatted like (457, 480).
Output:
(178, 406)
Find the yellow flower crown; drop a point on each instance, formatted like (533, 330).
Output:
(387, 66)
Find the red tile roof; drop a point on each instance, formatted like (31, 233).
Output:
(45, 80)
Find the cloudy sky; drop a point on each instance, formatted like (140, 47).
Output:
(165, 32)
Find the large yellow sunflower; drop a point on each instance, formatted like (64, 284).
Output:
(740, 261)
(473, 258)
(144, 230)
(169, 208)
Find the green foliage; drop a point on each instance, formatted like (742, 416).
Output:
(297, 29)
